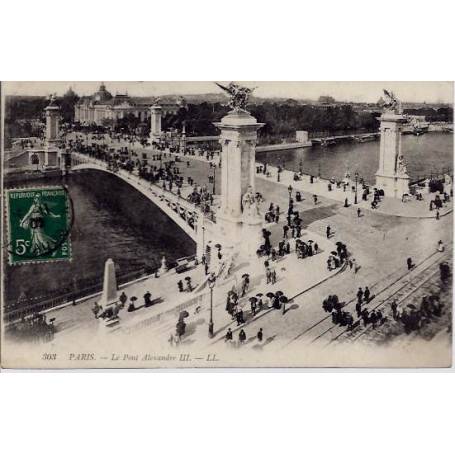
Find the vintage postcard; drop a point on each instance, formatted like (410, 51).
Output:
(226, 224)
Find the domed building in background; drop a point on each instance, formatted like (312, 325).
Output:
(102, 95)
(103, 105)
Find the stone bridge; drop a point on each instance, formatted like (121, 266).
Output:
(186, 215)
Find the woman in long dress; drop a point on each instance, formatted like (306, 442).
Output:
(35, 221)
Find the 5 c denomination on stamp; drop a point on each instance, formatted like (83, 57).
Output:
(39, 224)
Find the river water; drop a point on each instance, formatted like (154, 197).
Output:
(111, 220)
(424, 154)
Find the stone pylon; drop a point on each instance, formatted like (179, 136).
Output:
(52, 122)
(109, 295)
(155, 122)
(238, 225)
(392, 176)
(52, 153)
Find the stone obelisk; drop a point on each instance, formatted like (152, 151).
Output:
(109, 296)
(392, 176)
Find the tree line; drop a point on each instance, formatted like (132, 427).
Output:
(281, 119)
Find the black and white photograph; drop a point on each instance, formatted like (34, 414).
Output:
(227, 224)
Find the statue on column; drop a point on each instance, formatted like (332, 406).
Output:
(249, 204)
(52, 99)
(391, 104)
(238, 95)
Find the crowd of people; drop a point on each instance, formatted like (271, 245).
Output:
(257, 303)
(111, 312)
(414, 318)
(166, 175)
(339, 257)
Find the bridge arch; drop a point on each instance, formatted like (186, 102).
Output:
(183, 213)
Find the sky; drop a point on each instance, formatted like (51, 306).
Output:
(430, 92)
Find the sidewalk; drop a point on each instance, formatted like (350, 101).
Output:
(388, 206)
(295, 276)
(165, 296)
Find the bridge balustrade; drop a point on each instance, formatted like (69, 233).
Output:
(187, 211)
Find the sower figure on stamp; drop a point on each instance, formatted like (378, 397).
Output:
(35, 221)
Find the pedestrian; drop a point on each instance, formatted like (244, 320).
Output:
(358, 309)
(316, 248)
(373, 318)
(123, 298)
(242, 336)
(365, 317)
(260, 335)
(379, 316)
(273, 275)
(285, 231)
(131, 306)
(440, 246)
(268, 275)
(228, 336)
(96, 309)
(359, 295)
(273, 254)
(239, 317)
(245, 285)
(409, 263)
(315, 198)
(147, 299)
(354, 264)
(253, 306)
(366, 294)
(180, 285)
(394, 310)
(328, 231)
(358, 212)
(437, 214)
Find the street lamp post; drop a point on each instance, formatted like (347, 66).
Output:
(356, 180)
(203, 238)
(211, 281)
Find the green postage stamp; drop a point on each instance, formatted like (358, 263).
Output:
(39, 224)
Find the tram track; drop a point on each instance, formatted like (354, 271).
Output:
(325, 325)
(402, 299)
(403, 293)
